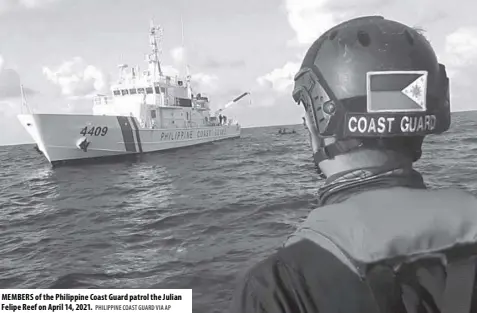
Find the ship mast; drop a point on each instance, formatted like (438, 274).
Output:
(187, 68)
(155, 40)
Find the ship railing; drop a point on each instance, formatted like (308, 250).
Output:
(148, 81)
(229, 122)
(168, 80)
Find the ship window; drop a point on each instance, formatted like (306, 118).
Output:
(124, 92)
(132, 91)
(140, 90)
(149, 89)
(153, 113)
(157, 90)
(116, 92)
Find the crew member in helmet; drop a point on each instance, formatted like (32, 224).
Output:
(380, 241)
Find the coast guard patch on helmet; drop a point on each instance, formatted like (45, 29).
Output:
(396, 91)
(396, 105)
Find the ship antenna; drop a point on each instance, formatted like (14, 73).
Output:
(187, 68)
(182, 32)
(155, 40)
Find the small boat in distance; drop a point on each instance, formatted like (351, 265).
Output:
(284, 131)
(146, 112)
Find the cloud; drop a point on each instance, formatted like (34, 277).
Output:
(36, 3)
(169, 70)
(461, 47)
(205, 82)
(77, 79)
(178, 55)
(280, 79)
(274, 88)
(7, 5)
(31, 4)
(310, 18)
(460, 57)
(10, 83)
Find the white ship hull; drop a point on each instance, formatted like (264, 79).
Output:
(64, 137)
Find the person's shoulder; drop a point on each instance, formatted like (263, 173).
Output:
(261, 270)
(276, 281)
(292, 258)
(249, 292)
(288, 258)
(257, 288)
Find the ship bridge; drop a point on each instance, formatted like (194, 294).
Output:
(156, 99)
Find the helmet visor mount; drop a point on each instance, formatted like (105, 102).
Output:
(316, 101)
(321, 113)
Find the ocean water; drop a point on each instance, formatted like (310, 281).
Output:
(191, 218)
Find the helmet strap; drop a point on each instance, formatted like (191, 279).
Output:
(339, 147)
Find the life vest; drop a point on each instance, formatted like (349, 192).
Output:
(400, 249)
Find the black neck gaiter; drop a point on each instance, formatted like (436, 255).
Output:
(340, 187)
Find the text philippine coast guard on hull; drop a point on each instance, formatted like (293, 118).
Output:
(75, 298)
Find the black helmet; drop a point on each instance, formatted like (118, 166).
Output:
(375, 83)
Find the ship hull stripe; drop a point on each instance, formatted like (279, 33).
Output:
(128, 137)
(138, 136)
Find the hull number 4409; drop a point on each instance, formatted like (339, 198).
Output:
(94, 131)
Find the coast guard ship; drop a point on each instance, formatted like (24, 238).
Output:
(145, 112)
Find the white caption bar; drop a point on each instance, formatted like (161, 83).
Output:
(89, 300)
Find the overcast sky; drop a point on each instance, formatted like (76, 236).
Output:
(65, 50)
